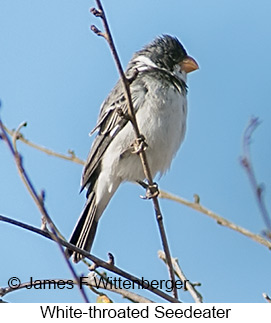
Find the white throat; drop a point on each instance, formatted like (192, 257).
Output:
(143, 63)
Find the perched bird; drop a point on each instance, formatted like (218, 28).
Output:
(159, 98)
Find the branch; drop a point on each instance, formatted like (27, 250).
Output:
(166, 195)
(220, 220)
(97, 261)
(247, 164)
(267, 298)
(6, 290)
(112, 288)
(126, 84)
(39, 201)
(178, 271)
(126, 294)
(70, 157)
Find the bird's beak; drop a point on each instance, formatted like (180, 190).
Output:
(189, 64)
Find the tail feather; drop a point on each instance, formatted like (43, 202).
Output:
(84, 232)
(85, 229)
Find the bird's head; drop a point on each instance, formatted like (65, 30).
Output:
(166, 52)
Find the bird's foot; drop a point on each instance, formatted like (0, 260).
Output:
(139, 145)
(151, 190)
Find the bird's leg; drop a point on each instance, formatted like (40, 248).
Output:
(151, 190)
(139, 145)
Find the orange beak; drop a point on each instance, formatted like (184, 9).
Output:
(189, 64)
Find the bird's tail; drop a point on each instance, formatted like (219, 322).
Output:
(85, 229)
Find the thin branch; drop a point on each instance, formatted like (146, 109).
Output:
(141, 152)
(6, 290)
(267, 297)
(113, 288)
(163, 194)
(178, 271)
(195, 205)
(70, 157)
(247, 164)
(96, 260)
(38, 201)
(124, 293)
(220, 220)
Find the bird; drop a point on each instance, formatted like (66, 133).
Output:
(159, 97)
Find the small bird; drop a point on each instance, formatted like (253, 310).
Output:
(158, 94)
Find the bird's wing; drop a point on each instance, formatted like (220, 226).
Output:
(109, 123)
(109, 119)
(113, 117)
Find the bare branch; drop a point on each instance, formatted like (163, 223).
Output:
(141, 152)
(111, 259)
(124, 293)
(38, 201)
(70, 157)
(163, 194)
(247, 164)
(6, 290)
(112, 288)
(267, 297)
(178, 271)
(220, 220)
(96, 260)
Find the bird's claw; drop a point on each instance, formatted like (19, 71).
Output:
(151, 190)
(139, 145)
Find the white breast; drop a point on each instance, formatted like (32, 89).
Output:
(163, 124)
(162, 120)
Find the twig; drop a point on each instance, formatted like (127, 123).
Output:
(6, 290)
(71, 157)
(126, 294)
(126, 84)
(163, 194)
(220, 220)
(195, 205)
(112, 288)
(38, 201)
(267, 298)
(178, 271)
(94, 259)
(247, 164)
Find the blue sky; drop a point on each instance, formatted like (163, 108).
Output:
(54, 74)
